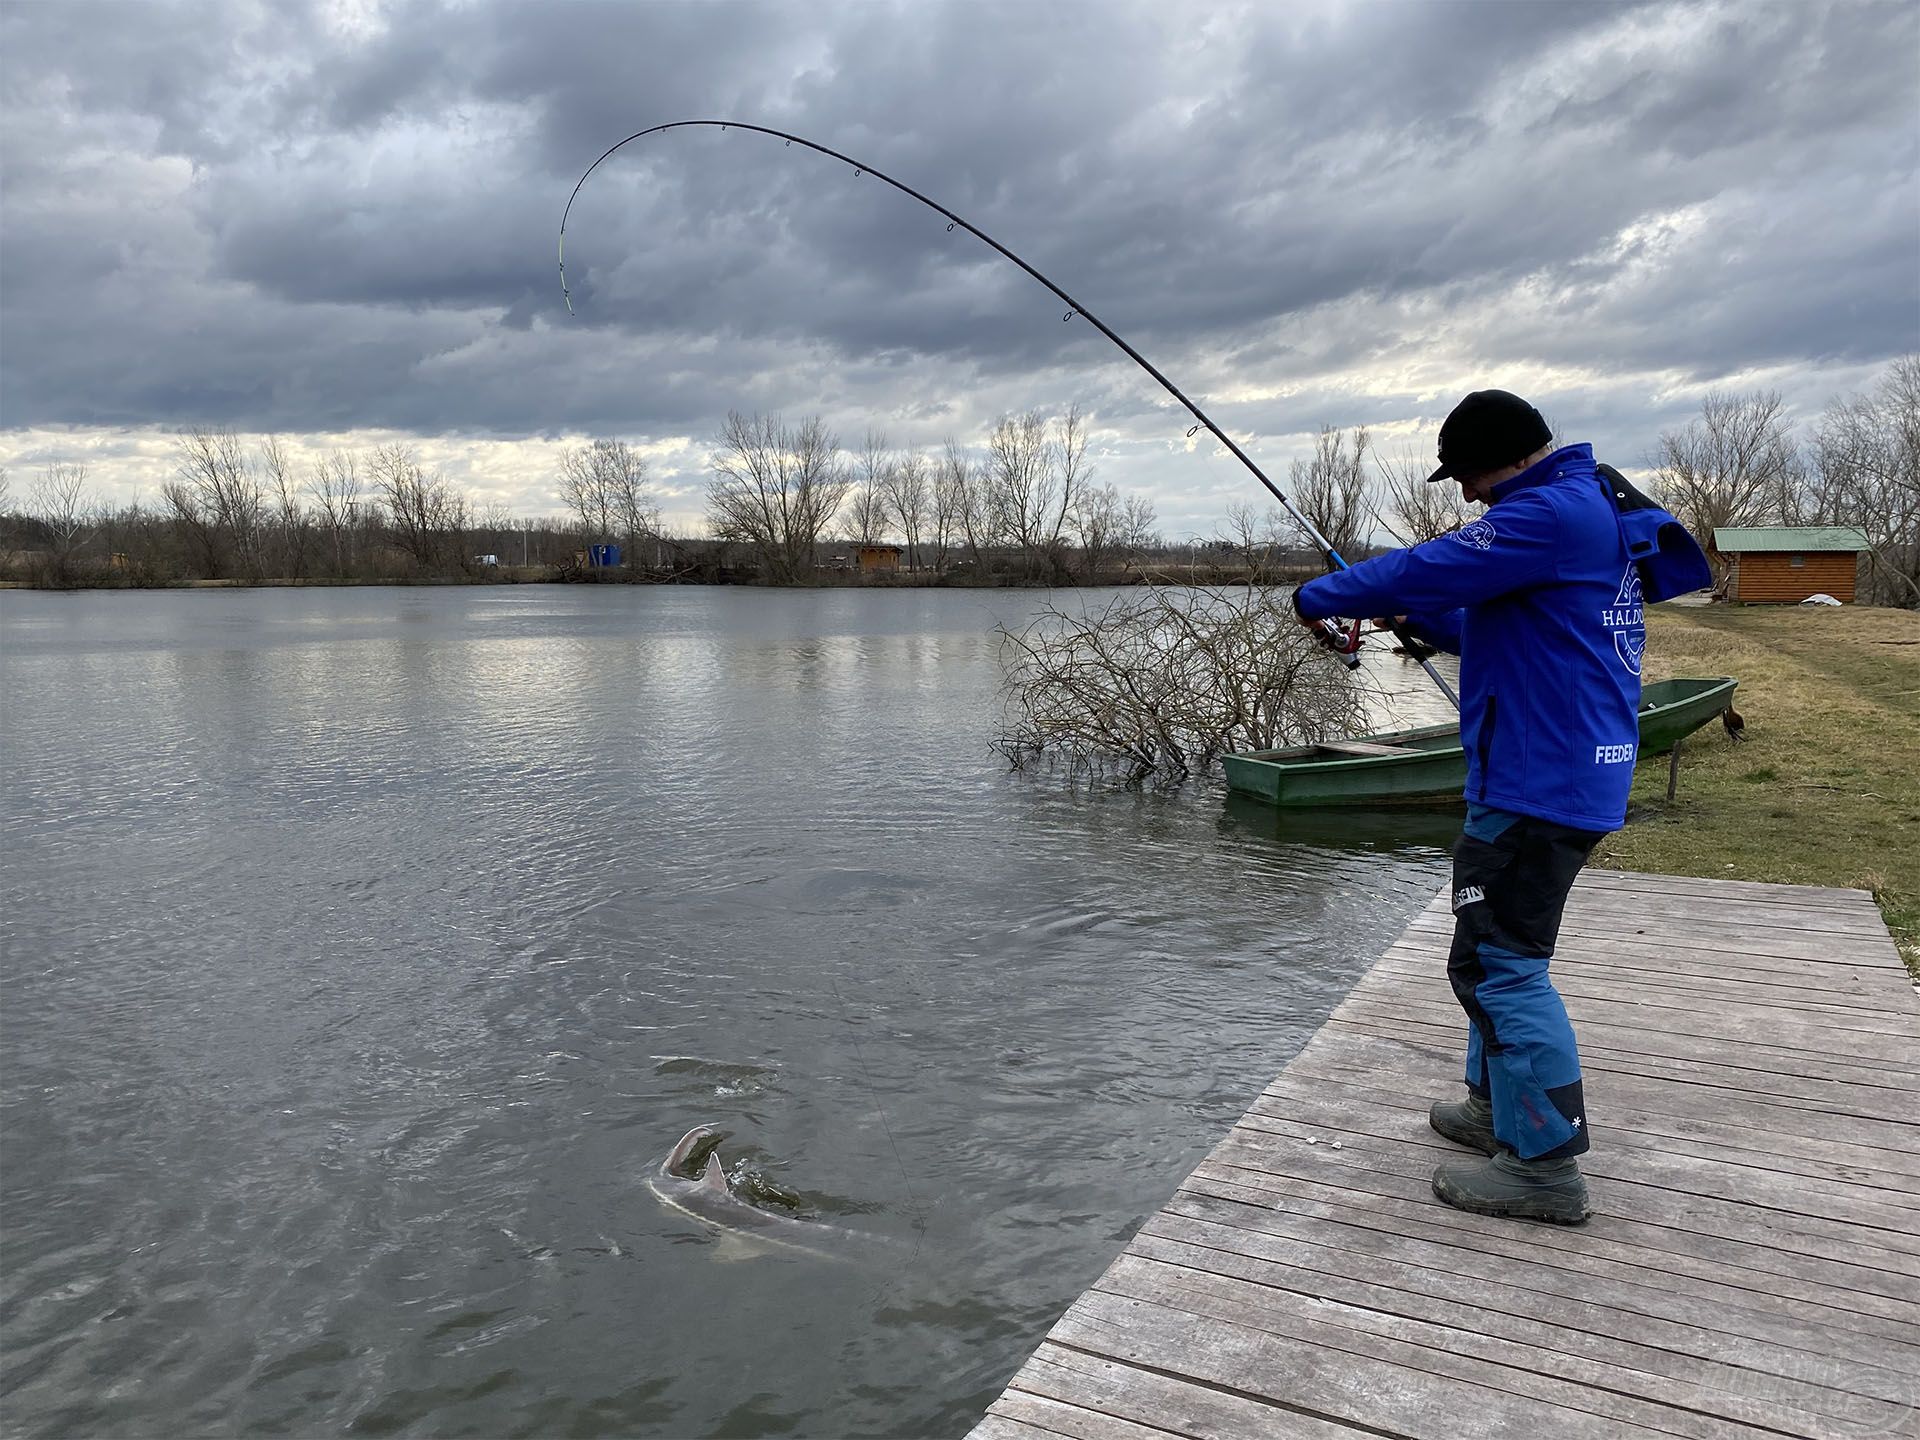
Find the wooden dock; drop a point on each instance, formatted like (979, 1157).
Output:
(1751, 1055)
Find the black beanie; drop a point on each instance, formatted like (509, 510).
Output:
(1488, 430)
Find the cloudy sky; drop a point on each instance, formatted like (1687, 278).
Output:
(337, 222)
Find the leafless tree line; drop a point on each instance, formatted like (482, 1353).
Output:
(1021, 506)
(1741, 463)
(1352, 494)
(1027, 499)
(247, 514)
(604, 485)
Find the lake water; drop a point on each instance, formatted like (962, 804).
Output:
(363, 951)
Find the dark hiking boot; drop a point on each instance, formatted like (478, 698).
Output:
(1466, 1122)
(1550, 1190)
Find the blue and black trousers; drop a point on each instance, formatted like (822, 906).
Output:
(1511, 875)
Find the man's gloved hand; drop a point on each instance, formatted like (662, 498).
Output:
(1343, 644)
(1396, 625)
(1318, 627)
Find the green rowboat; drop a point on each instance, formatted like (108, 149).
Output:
(1427, 766)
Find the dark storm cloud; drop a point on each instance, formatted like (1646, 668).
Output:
(281, 217)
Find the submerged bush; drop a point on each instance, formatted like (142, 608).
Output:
(1160, 681)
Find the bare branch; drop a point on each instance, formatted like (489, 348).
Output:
(1331, 489)
(1731, 466)
(776, 489)
(429, 517)
(1162, 681)
(1867, 463)
(1420, 510)
(908, 495)
(864, 519)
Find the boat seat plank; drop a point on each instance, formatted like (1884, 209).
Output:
(1363, 747)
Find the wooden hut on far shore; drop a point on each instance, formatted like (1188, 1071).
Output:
(1784, 564)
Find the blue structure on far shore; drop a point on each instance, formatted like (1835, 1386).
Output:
(603, 555)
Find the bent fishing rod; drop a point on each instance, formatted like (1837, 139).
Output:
(1345, 648)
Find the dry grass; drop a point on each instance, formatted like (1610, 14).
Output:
(1826, 788)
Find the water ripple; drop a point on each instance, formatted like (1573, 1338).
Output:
(364, 951)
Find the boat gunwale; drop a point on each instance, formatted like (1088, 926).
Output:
(1297, 759)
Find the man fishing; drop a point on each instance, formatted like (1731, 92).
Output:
(1541, 597)
(1542, 601)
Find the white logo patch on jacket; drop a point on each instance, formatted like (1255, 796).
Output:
(1480, 534)
(1626, 619)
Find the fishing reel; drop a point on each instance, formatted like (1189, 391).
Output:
(1344, 643)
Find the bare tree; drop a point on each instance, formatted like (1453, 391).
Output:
(1817, 493)
(976, 505)
(1259, 538)
(1867, 460)
(335, 488)
(58, 501)
(634, 510)
(586, 488)
(1331, 488)
(1419, 509)
(1093, 524)
(493, 528)
(948, 513)
(864, 520)
(219, 500)
(1037, 480)
(429, 517)
(1109, 529)
(776, 489)
(908, 491)
(1019, 475)
(605, 485)
(1163, 680)
(196, 522)
(292, 522)
(131, 536)
(1070, 455)
(1137, 521)
(1730, 466)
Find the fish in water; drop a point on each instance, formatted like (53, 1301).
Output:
(693, 1181)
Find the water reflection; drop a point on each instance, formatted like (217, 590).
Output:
(1413, 830)
(363, 949)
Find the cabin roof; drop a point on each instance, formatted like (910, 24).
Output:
(1799, 539)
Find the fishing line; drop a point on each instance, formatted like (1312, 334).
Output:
(873, 1091)
(1074, 307)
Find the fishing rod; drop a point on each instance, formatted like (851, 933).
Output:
(1344, 646)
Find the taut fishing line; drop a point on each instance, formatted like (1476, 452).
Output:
(1074, 307)
(873, 1092)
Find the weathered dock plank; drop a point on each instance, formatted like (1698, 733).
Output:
(1752, 1267)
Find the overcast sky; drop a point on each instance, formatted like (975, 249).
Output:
(337, 222)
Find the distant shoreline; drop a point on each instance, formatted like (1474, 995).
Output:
(1165, 575)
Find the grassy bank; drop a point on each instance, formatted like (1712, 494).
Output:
(1825, 790)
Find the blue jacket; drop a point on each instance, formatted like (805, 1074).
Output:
(1541, 599)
